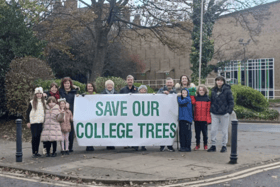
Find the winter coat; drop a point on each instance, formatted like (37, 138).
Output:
(222, 103)
(202, 106)
(51, 127)
(35, 116)
(56, 95)
(126, 90)
(69, 96)
(66, 124)
(185, 108)
(104, 92)
(162, 89)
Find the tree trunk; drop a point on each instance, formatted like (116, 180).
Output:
(100, 54)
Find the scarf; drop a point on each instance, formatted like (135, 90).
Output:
(110, 92)
(56, 95)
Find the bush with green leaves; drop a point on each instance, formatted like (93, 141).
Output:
(45, 84)
(150, 90)
(100, 83)
(20, 82)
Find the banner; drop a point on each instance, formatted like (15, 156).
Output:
(126, 119)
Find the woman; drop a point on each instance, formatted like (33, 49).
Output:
(90, 90)
(185, 83)
(53, 91)
(68, 91)
(109, 89)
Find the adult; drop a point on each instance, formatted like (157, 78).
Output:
(53, 91)
(68, 91)
(143, 90)
(185, 83)
(109, 89)
(129, 88)
(90, 90)
(221, 107)
(167, 89)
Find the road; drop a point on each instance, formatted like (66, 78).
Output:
(268, 178)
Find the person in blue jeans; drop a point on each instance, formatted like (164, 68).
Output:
(185, 120)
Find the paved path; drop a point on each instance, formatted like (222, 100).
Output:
(256, 144)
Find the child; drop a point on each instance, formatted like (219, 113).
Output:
(202, 115)
(65, 126)
(35, 118)
(185, 120)
(51, 128)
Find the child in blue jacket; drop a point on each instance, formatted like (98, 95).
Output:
(185, 120)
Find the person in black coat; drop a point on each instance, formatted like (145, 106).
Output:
(129, 88)
(221, 107)
(109, 89)
(68, 91)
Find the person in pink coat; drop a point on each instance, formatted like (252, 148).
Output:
(51, 128)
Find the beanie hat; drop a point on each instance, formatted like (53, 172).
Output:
(38, 90)
(143, 87)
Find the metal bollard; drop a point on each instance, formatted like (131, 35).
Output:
(19, 141)
(233, 155)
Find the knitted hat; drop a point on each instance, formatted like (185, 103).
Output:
(38, 90)
(143, 87)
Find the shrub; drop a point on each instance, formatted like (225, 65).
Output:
(100, 83)
(150, 90)
(45, 84)
(245, 113)
(20, 82)
(249, 98)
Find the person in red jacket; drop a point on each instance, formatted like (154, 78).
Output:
(202, 116)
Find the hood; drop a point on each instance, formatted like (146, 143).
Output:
(55, 107)
(187, 91)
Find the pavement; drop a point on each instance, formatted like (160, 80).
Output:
(125, 165)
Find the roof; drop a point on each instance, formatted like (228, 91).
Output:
(248, 9)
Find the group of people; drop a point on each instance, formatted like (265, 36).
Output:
(50, 113)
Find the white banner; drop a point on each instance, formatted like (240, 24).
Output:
(126, 119)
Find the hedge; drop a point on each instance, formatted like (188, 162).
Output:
(150, 90)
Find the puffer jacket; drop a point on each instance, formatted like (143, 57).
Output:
(202, 106)
(185, 108)
(66, 124)
(222, 103)
(51, 127)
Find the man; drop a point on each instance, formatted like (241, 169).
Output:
(221, 107)
(167, 89)
(129, 88)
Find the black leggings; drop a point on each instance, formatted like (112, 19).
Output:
(36, 130)
(48, 146)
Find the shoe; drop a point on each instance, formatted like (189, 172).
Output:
(48, 155)
(196, 148)
(38, 155)
(182, 149)
(135, 148)
(71, 151)
(188, 149)
(212, 149)
(162, 148)
(89, 148)
(62, 152)
(66, 152)
(54, 155)
(170, 149)
(143, 148)
(34, 156)
(110, 148)
(224, 149)
(205, 147)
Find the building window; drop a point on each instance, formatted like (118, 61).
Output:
(259, 74)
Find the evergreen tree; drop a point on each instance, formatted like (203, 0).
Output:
(16, 40)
